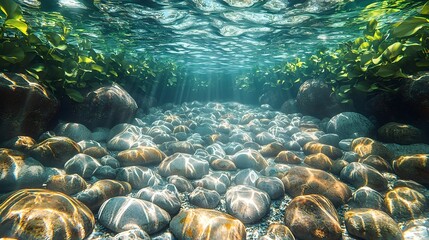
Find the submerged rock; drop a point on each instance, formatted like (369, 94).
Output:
(350, 125)
(405, 203)
(68, 184)
(414, 167)
(393, 132)
(166, 197)
(125, 213)
(44, 214)
(55, 151)
(26, 107)
(312, 217)
(246, 203)
(371, 224)
(101, 191)
(185, 165)
(204, 198)
(301, 180)
(75, 131)
(105, 107)
(206, 224)
(18, 171)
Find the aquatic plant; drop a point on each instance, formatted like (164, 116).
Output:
(71, 69)
(377, 61)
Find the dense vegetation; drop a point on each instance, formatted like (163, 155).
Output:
(71, 69)
(377, 61)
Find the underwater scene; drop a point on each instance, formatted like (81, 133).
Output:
(214, 119)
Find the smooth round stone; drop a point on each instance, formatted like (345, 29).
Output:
(359, 175)
(318, 161)
(377, 162)
(405, 203)
(287, 157)
(180, 147)
(216, 150)
(233, 147)
(125, 213)
(249, 158)
(315, 147)
(44, 214)
(181, 136)
(277, 231)
(122, 141)
(264, 138)
(223, 165)
(55, 151)
(292, 145)
(124, 127)
(331, 139)
(182, 184)
(338, 165)
(271, 185)
(410, 184)
(217, 181)
(17, 171)
(105, 172)
(109, 161)
(413, 167)
(163, 138)
(416, 229)
(20, 143)
(366, 146)
(138, 176)
(272, 149)
(371, 224)
(68, 184)
(400, 133)
(366, 197)
(95, 152)
(350, 125)
(134, 234)
(140, 156)
(276, 170)
(345, 144)
(303, 180)
(202, 223)
(204, 198)
(304, 137)
(246, 177)
(251, 145)
(181, 129)
(240, 138)
(247, 203)
(350, 157)
(166, 197)
(183, 165)
(312, 217)
(75, 131)
(102, 190)
(82, 164)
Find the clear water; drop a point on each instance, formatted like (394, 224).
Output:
(219, 35)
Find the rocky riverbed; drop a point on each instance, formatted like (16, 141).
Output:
(218, 171)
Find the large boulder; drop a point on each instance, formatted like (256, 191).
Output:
(104, 107)
(44, 214)
(350, 125)
(415, 94)
(315, 98)
(26, 107)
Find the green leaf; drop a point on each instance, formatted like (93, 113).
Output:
(18, 24)
(425, 9)
(11, 9)
(83, 59)
(410, 26)
(393, 51)
(11, 53)
(75, 95)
